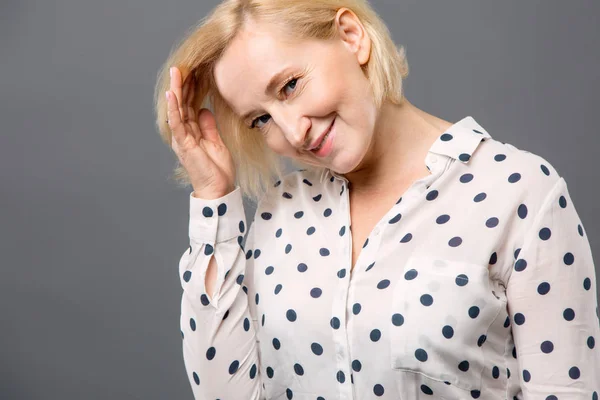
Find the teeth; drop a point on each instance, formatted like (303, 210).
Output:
(322, 142)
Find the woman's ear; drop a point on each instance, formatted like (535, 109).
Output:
(353, 34)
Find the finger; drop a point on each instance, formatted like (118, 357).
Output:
(176, 88)
(193, 124)
(208, 126)
(174, 118)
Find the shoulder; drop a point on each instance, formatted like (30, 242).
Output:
(525, 176)
(288, 189)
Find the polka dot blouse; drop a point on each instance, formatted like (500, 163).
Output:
(479, 282)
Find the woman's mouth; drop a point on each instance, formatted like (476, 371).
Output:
(326, 145)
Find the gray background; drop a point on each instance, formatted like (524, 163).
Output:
(91, 227)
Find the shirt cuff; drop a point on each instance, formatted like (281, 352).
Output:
(217, 220)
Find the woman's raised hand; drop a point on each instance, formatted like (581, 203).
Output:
(197, 142)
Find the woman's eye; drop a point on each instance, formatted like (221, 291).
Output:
(292, 83)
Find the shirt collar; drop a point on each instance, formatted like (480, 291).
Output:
(459, 142)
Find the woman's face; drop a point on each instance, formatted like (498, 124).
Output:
(321, 84)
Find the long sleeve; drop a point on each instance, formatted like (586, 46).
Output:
(219, 338)
(553, 304)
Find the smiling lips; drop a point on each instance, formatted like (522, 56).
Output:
(317, 142)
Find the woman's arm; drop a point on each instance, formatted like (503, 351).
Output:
(553, 304)
(219, 339)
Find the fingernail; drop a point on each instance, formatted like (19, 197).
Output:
(167, 95)
(171, 72)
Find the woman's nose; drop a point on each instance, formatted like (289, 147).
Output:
(295, 128)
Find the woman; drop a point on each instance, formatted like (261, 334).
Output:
(407, 258)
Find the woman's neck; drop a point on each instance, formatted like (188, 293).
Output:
(403, 135)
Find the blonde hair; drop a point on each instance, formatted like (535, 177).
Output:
(198, 51)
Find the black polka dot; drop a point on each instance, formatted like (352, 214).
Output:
(547, 346)
(298, 369)
(207, 212)
(520, 265)
(340, 376)
(233, 367)
(356, 366)
(276, 344)
(513, 178)
(316, 348)
(447, 331)
(222, 209)
(466, 178)
(383, 284)
(480, 197)
(495, 372)
(543, 288)
(315, 292)
(421, 355)
(461, 280)
(302, 267)
(442, 219)
(335, 323)
(473, 312)
(291, 315)
(591, 342)
(196, 378)
(210, 353)
(481, 340)
(463, 366)
(395, 219)
(378, 390)
(545, 233)
(397, 319)
(426, 300)
(574, 373)
(411, 274)
(569, 314)
(455, 242)
(587, 283)
(569, 258)
(375, 335)
(519, 319)
(426, 389)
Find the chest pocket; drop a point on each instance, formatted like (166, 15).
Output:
(441, 314)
